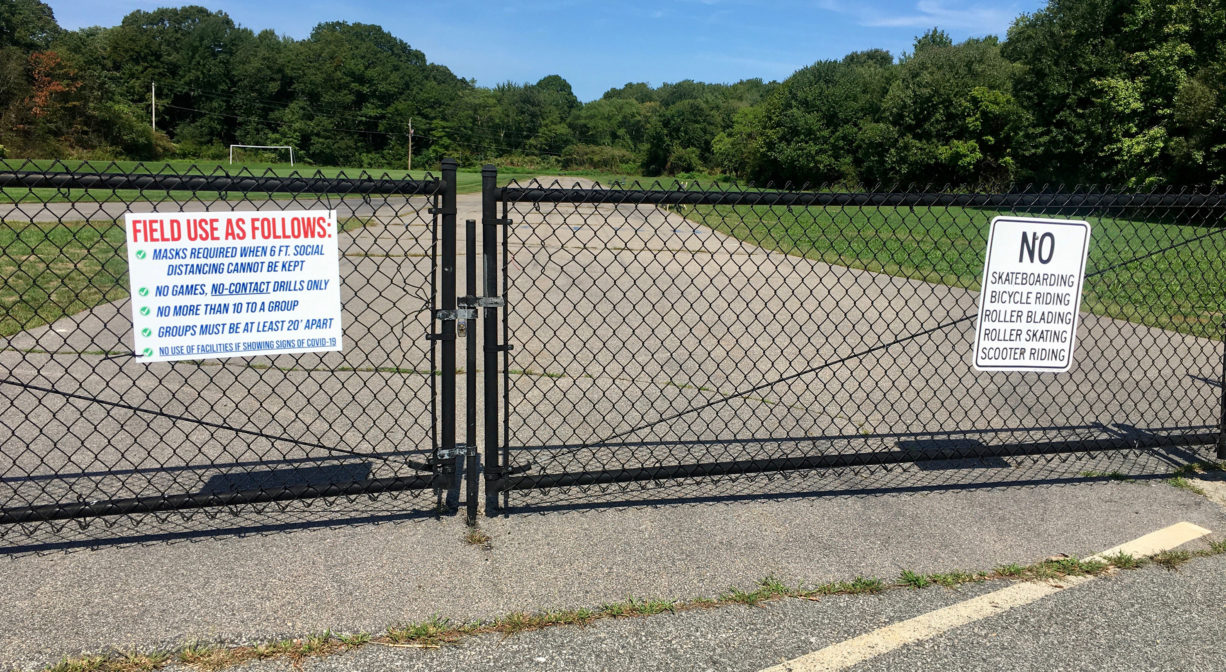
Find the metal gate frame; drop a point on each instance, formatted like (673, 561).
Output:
(438, 472)
(501, 475)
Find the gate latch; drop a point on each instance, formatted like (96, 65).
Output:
(481, 301)
(459, 314)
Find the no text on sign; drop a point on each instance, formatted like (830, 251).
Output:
(233, 284)
(1031, 294)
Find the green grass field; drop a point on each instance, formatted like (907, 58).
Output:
(54, 270)
(1179, 288)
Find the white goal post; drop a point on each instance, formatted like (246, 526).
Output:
(291, 150)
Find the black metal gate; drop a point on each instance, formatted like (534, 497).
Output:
(86, 430)
(681, 332)
(647, 334)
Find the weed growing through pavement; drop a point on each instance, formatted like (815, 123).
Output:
(1184, 484)
(1124, 560)
(1179, 477)
(1195, 468)
(434, 631)
(1010, 570)
(910, 578)
(1171, 559)
(437, 631)
(477, 537)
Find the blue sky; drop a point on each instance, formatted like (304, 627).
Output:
(596, 45)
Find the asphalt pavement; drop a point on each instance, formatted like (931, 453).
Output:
(316, 572)
(1143, 620)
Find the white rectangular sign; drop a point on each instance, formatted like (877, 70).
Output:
(1031, 294)
(233, 284)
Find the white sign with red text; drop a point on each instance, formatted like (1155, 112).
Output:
(233, 284)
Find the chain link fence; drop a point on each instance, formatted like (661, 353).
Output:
(648, 334)
(86, 429)
(681, 331)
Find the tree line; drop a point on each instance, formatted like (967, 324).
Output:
(1130, 93)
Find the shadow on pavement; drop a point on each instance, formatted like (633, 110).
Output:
(866, 481)
(404, 507)
(195, 525)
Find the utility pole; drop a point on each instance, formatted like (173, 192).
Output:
(153, 107)
(410, 143)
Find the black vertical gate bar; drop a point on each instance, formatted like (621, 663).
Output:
(449, 461)
(505, 349)
(470, 368)
(435, 209)
(489, 261)
(1221, 426)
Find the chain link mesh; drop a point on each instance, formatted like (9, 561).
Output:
(86, 430)
(689, 331)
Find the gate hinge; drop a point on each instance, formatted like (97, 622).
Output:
(460, 314)
(482, 301)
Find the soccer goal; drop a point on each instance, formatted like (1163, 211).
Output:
(291, 150)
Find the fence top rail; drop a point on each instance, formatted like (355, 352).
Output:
(1019, 200)
(293, 184)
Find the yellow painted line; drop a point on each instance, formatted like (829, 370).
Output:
(1156, 542)
(883, 640)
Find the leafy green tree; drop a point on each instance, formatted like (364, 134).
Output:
(189, 52)
(811, 122)
(953, 113)
(612, 122)
(1118, 88)
(1197, 146)
(354, 88)
(28, 25)
(261, 87)
(640, 92)
(534, 116)
(681, 121)
(741, 149)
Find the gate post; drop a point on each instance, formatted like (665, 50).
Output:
(470, 370)
(489, 258)
(449, 460)
(1221, 426)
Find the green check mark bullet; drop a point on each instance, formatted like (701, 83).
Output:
(143, 291)
(148, 352)
(144, 311)
(146, 332)
(140, 254)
